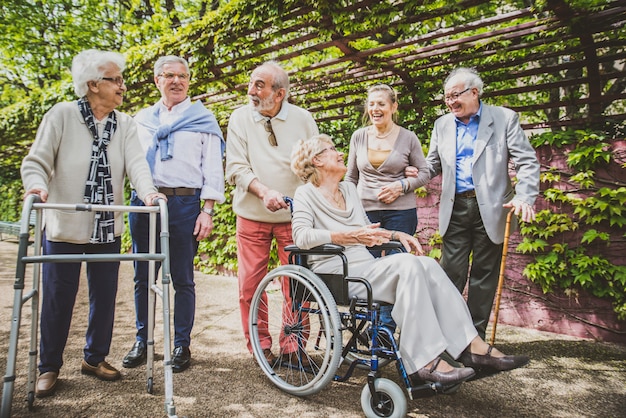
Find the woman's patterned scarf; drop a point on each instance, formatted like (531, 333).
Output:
(98, 188)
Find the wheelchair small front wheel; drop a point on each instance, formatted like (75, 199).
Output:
(391, 400)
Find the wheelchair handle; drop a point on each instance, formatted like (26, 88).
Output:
(288, 200)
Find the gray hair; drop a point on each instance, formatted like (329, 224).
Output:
(89, 66)
(302, 157)
(281, 78)
(169, 59)
(469, 76)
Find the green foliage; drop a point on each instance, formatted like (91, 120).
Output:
(334, 51)
(435, 242)
(218, 253)
(569, 244)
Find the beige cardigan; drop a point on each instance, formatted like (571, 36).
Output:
(59, 161)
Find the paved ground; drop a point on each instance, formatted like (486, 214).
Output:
(566, 378)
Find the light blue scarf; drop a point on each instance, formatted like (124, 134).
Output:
(196, 118)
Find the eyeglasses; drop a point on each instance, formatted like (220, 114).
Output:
(171, 76)
(270, 130)
(258, 85)
(331, 148)
(117, 80)
(455, 96)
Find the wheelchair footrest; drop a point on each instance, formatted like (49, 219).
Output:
(429, 389)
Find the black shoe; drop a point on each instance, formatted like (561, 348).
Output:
(181, 359)
(487, 361)
(383, 339)
(136, 355)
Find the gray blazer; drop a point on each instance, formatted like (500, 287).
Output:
(500, 139)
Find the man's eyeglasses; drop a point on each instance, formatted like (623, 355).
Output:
(270, 130)
(258, 85)
(117, 80)
(171, 76)
(455, 96)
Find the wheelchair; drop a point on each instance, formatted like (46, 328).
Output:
(319, 328)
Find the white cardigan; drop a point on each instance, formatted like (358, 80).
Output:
(59, 161)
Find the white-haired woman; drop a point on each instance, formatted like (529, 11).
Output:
(82, 152)
(430, 312)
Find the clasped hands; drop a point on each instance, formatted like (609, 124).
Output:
(372, 235)
(388, 194)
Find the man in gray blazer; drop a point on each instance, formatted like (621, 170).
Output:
(471, 147)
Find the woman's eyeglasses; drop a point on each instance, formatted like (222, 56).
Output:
(117, 80)
(331, 148)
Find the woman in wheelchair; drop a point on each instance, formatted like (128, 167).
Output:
(431, 314)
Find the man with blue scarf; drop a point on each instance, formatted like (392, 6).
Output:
(184, 147)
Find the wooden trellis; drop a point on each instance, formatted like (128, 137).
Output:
(557, 68)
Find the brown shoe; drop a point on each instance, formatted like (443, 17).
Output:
(46, 384)
(269, 356)
(296, 359)
(103, 371)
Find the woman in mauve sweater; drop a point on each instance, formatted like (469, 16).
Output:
(379, 154)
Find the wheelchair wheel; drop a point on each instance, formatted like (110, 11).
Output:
(391, 400)
(294, 313)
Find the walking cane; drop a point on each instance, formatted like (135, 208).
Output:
(505, 246)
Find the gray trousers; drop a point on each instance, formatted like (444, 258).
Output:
(466, 238)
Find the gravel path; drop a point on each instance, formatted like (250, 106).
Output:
(566, 378)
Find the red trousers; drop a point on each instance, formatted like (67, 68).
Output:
(254, 242)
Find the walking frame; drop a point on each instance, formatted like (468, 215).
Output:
(505, 250)
(32, 203)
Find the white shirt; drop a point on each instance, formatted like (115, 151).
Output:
(197, 157)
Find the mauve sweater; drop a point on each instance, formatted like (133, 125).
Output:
(406, 151)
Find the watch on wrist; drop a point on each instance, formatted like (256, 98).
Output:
(208, 211)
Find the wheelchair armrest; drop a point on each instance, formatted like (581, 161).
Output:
(368, 288)
(299, 255)
(388, 246)
(319, 250)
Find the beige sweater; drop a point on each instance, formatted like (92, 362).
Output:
(250, 156)
(59, 161)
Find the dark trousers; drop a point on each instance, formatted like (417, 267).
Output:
(59, 288)
(392, 220)
(182, 212)
(466, 235)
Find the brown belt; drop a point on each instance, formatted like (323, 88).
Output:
(177, 191)
(467, 194)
